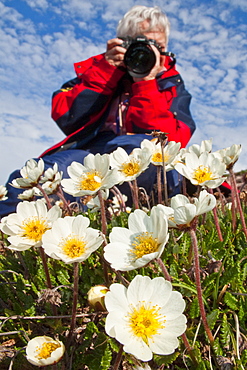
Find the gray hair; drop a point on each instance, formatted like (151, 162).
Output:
(130, 24)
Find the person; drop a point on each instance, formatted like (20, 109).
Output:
(107, 106)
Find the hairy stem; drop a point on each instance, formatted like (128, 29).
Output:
(118, 358)
(199, 288)
(74, 305)
(159, 186)
(47, 275)
(49, 205)
(216, 220)
(163, 269)
(240, 210)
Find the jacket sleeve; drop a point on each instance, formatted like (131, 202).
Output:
(161, 105)
(83, 100)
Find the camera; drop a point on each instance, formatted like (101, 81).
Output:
(139, 58)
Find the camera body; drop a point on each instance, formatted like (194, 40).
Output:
(139, 58)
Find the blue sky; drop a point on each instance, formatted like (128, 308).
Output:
(40, 40)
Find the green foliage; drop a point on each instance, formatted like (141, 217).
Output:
(223, 282)
(212, 318)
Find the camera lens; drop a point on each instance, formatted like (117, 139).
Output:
(139, 59)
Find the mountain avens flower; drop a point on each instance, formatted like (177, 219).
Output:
(31, 174)
(169, 151)
(87, 179)
(30, 222)
(44, 351)
(71, 240)
(205, 170)
(140, 243)
(146, 317)
(130, 166)
(182, 212)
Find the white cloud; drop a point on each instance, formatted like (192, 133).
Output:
(38, 4)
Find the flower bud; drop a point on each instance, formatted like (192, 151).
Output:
(96, 297)
(44, 351)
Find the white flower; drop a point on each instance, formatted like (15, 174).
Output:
(136, 246)
(146, 317)
(130, 166)
(51, 180)
(230, 155)
(206, 146)
(169, 151)
(178, 159)
(71, 240)
(205, 170)
(50, 173)
(182, 212)
(95, 174)
(31, 174)
(29, 194)
(27, 226)
(50, 187)
(3, 193)
(44, 351)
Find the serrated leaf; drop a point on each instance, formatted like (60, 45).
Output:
(231, 301)
(166, 360)
(212, 318)
(194, 309)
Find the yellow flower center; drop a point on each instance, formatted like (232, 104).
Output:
(33, 228)
(144, 243)
(46, 350)
(90, 181)
(146, 322)
(202, 174)
(73, 246)
(157, 157)
(131, 168)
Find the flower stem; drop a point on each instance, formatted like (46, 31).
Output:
(60, 194)
(162, 144)
(119, 197)
(189, 349)
(216, 220)
(159, 187)
(49, 205)
(233, 207)
(163, 269)
(118, 358)
(135, 194)
(240, 210)
(104, 232)
(198, 286)
(102, 212)
(47, 275)
(46, 269)
(75, 298)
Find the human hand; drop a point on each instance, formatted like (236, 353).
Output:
(115, 52)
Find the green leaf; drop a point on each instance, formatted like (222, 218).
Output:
(231, 301)
(212, 318)
(225, 332)
(166, 360)
(106, 359)
(194, 309)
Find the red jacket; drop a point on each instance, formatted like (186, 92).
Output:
(81, 106)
